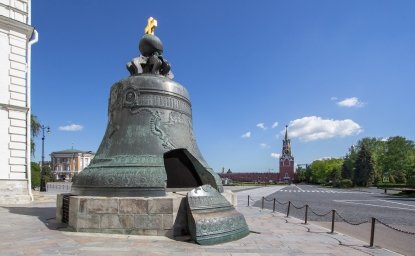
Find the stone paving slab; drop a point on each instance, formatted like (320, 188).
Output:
(32, 230)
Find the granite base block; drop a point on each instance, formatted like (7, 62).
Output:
(151, 216)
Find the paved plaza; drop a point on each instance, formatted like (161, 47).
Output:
(32, 230)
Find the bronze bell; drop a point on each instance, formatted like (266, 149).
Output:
(149, 145)
(149, 148)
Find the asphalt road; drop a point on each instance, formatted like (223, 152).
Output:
(355, 206)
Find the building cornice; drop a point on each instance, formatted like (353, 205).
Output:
(11, 24)
(12, 107)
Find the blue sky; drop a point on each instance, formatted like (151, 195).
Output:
(334, 71)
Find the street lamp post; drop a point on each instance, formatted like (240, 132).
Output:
(42, 171)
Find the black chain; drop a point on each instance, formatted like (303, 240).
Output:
(341, 217)
(320, 215)
(281, 202)
(298, 208)
(351, 223)
(396, 229)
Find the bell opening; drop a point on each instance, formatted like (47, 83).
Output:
(181, 173)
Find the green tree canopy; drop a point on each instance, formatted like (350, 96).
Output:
(35, 127)
(325, 169)
(347, 169)
(364, 167)
(399, 157)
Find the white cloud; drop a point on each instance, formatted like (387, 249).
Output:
(275, 124)
(277, 136)
(312, 128)
(350, 102)
(275, 155)
(334, 98)
(264, 145)
(246, 135)
(71, 128)
(261, 126)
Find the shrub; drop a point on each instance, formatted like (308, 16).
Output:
(35, 174)
(400, 177)
(345, 183)
(392, 179)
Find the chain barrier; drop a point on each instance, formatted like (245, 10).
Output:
(396, 229)
(281, 202)
(320, 215)
(298, 208)
(351, 223)
(333, 213)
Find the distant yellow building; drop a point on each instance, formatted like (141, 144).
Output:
(68, 163)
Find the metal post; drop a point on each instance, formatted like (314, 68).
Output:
(263, 199)
(332, 220)
(288, 209)
(306, 214)
(248, 200)
(42, 177)
(42, 171)
(273, 207)
(372, 232)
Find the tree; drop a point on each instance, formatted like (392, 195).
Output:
(347, 169)
(335, 175)
(300, 174)
(398, 159)
(35, 127)
(322, 169)
(377, 148)
(308, 174)
(364, 167)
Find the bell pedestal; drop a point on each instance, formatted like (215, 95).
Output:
(153, 216)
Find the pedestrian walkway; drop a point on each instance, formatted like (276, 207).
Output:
(32, 230)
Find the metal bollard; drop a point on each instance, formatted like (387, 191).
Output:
(372, 232)
(306, 214)
(263, 199)
(332, 220)
(273, 207)
(248, 200)
(288, 209)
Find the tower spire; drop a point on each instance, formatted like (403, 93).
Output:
(286, 132)
(286, 173)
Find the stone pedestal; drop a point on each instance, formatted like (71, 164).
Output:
(154, 216)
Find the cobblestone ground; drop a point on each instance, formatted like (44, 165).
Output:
(32, 230)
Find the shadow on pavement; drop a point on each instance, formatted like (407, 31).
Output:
(45, 214)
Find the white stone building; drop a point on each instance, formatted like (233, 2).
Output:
(70, 162)
(16, 37)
